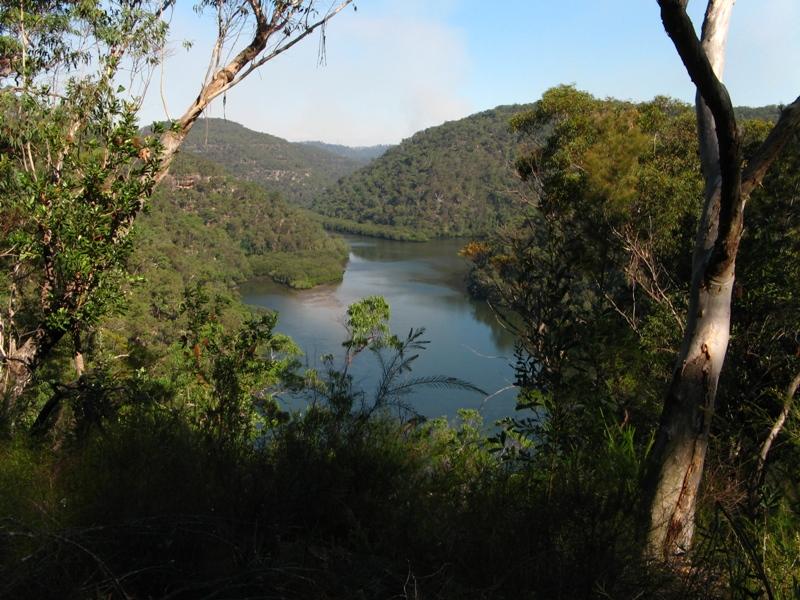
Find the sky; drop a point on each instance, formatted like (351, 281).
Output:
(394, 67)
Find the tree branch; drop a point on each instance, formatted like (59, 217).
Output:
(680, 29)
(777, 426)
(788, 124)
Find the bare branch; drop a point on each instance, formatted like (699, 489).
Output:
(308, 31)
(777, 426)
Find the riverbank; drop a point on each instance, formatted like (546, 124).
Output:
(424, 284)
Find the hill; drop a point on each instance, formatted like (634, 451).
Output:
(360, 154)
(771, 112)
(452, 180)
(447, 181)
(204, 226)
(299, 171)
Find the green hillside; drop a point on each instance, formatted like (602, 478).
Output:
(770, 112)
(299, 171)
(452, 180)
(236, 229)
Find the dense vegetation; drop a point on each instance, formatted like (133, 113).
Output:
(299, 171)
(447, 181)
(206, 227)
(593, 278)
(144, 448)
(251, 226)
(770, 112)
(344, 501)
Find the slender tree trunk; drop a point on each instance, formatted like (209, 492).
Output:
(676, 462)
(679, 452)
(682, 439)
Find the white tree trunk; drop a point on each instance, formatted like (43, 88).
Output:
(678, 456)
(682, 441)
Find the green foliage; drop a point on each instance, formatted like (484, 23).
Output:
(454, 180)
(204, 226)
(361, 154)
(447, 181)
(303, 269)
(227, 380)
(592, 279)
(73, 235)
(386, 232)
(368, 323)
(591, 275)
(74, 174)
(329, 505)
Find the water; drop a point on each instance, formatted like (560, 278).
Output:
(424, 285)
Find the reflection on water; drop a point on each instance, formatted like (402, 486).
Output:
(424, 285)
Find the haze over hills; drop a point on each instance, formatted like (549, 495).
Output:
(299, 171)
(360, 154)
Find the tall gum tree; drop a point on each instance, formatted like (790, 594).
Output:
(679, 451)
(55, 281)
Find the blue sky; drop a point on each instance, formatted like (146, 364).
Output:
(397, 66)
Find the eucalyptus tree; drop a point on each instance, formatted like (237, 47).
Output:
(75, 170)
(681, 443)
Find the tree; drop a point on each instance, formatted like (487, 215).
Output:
(72, 175)
(681, 442)
(588, 277)
(75, 170)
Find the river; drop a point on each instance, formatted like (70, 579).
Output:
(424, 285)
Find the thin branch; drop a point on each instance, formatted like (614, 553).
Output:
(280, 49)
(777, 426)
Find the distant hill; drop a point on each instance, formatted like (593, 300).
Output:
(452, 180)
(299, 171)
(770, 112)
(360, 154)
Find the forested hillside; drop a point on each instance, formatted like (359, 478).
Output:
(203, 210)
(299, 171)
(770, 112)
(447, 181)
(452, 180)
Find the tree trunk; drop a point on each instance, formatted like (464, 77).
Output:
(678, 455)
(682, 439)
(676, 462)
(20, 365)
